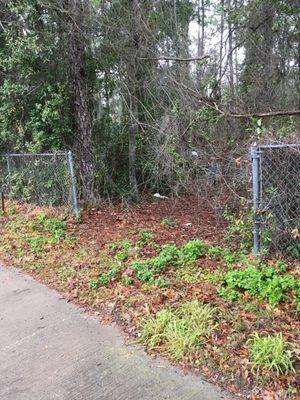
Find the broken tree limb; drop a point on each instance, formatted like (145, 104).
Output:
(179, 59)
(227, 114)
(263, 114)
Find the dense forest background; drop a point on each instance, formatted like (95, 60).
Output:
(149, 95)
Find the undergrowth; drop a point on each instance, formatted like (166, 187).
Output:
(181, 332)
(271, 353)
(266, 282)
(143, 274)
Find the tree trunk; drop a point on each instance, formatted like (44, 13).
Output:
(200, 42)
(132, 135)
(82, 117)
(230, 52)
(221, 40)
(257, 78)
(134, 95)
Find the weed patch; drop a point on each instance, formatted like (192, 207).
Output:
(266, 282)
(181, 332)
(271, 353)
(104, 279)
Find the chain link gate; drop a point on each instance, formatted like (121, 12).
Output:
(276, 197)
(45, 179)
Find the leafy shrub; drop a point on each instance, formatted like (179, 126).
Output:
(169, 254)
(150, 270)
(143, 272)
(193, 250)
(267, 283)
(215, 252)
(271, 353)
(56, 227)
(181, 332)
(225, 254)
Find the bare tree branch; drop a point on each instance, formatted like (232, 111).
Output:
(264, 114)
(165, 58)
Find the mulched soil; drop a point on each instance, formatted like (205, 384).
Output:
(193, 217)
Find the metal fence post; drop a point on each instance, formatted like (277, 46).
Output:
(255, 155)
(8, 167)
(73, 179)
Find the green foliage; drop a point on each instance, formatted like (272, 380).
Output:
(271, 353)
(169, 255)
(143, 271)
(225, 254)
(40, 232)
(150, 270)
(170, 222)
(37, 243)
(153, 330)
(241, 227)
(127, 280)
(181, 332)
(34, 89)
(266, 282)
(145, 238)
(47, 230)
(36, 92)
(104, 279)
(162, 282)
(193, 250)
(56, 227)
(215, 252)
(294, 250)
(123, 255)
(121, 245)
(53, 225)
(38, 180)
(189, 273)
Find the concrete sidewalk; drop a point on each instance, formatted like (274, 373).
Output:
(50, 349)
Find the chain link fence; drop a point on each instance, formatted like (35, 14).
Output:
(43, 179)
(276, 196)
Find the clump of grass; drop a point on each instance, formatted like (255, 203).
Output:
(271, 353)
(181, 332)
(153, 330)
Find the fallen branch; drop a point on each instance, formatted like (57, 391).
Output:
(212, 104)
(179, 59)
(263, 114)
